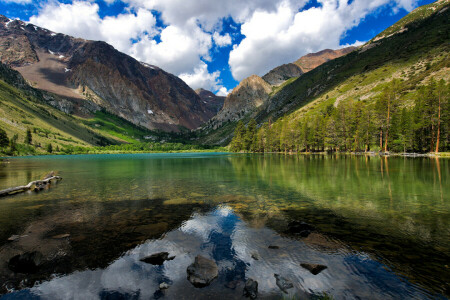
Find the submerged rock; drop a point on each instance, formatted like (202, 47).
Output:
(202, 272)
(255, 255)
(251, 289)
(61, 236)
(13, 238)
(164, 286)
(28, 262)
(283, 283)
(300, 228)
(273, 247)
(157, 258)
(313, 268)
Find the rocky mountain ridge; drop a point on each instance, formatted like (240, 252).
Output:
(92, 75)
(254, 92)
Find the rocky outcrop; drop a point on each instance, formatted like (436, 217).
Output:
(202, 272)
(212, 102)
(313, 60)
(250, 94)
(282, 73)
(85, 72)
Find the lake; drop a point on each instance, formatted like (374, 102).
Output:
(381, 226)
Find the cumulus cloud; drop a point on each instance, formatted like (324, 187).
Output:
(276, 37)
(223, 91)
(222, 40)
(81, 19)
(275, 31)
(201, 78)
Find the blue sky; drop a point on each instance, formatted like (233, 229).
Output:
(215, 44)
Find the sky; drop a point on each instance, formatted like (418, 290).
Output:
(214, 44)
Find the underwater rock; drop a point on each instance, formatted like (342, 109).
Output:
(300, 228)
(61, 236)
(273, 247)
(283, 283)
(27, 262)
(313, 268)
(13, 238)
(164, 286)
(157, 258)
(255, 255)
(202, 272)
(251, 289)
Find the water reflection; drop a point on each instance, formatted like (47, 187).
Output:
(222, 236)
(382, 224)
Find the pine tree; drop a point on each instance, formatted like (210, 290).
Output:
(28, 137)
(49, 148)
(4, 141)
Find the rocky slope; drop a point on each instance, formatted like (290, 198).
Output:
(282, 73)
(251, 93)
(313, 60)
(254, 92)
(212, 102)
(91, 75)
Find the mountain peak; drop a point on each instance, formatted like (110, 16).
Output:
(80, 70)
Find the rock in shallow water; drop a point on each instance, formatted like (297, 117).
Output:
(313, 268)
(283, 283)
(251, 289)
(164, 286)
(157, 258)
(28, 262)
(300, 228)
(202, 272)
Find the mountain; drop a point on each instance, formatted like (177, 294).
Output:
(414, 51)
(313, 60)
(24, 108)
(254, 92)
(212, 102)
(91, 75)
(282, 73)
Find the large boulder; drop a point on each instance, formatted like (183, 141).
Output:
(202, 272)
(251, 289)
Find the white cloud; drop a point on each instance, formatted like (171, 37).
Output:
(276, 37)
(222, 40)
(223, 91)
(201, 78)
(275, 31)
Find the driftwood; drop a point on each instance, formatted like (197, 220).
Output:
(38, 185)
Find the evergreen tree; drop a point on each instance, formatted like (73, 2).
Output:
(4, 141)
(49, 148)
(237, 144)
(28, 137)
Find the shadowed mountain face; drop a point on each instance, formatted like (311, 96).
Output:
(94, 75)
(212, 101)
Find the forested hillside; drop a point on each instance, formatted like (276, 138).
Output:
(390, 95)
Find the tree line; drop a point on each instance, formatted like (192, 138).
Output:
(387, 124)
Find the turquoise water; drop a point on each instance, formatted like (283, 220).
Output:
(381, 225)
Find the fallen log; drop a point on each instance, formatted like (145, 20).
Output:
(37, 184)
